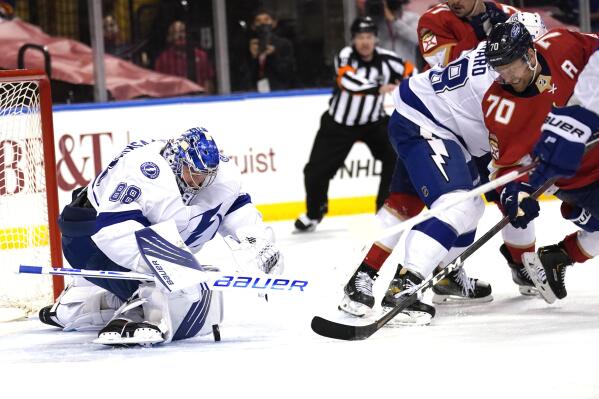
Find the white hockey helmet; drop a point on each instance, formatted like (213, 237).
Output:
(532, 21)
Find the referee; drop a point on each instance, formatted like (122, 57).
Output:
(365, 73)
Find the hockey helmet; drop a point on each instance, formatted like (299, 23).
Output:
(532, 21)
(196, 149)
(363, 24)
(507, 42)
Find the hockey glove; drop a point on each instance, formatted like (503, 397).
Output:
(483, 22)
(256, 252)
(561, 146)
(518, 205)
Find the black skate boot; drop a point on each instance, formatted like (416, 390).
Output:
(547, 269)
(457, 287)
(47, 315)
(358, 299)
(520, 275)
(126, 333)
(418, 313)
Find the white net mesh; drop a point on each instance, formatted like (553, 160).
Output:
(24, 237)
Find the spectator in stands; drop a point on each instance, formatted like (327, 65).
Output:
(173, 60)
(7, 9)
(111, 34)
(397, 27)
(270, 62)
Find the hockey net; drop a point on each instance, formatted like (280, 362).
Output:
(28, 193)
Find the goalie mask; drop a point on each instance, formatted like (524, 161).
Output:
(194, 159)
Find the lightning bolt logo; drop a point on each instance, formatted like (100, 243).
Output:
(439, 151)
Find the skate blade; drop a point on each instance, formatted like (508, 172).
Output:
(127, 342)
(408, 318)
(353, 308)
(527, 290)
(459, 300)
(532, 263)
(114, 339)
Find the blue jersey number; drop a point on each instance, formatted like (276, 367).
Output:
(125, 194)
(454, 75)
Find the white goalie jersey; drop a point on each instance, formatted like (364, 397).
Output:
(139, 189)
(446, 101)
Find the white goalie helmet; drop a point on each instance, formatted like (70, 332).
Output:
(532, 21)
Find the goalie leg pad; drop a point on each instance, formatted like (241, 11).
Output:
(178, 315)
(196, 318)
(83, 306)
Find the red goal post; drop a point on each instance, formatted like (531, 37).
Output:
(28, 189)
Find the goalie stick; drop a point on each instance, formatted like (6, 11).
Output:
(208, 280)
(333, 329)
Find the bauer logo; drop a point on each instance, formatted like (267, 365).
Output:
(161, 273)
(150, 170)
(260, 283)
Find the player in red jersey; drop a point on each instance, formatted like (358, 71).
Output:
(533, 79)
(445, 32)
(448, 29)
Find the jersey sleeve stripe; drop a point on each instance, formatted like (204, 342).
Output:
(242, 200)
(110, 218)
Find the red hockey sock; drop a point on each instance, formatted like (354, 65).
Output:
(516, 252)
(573, 249)
(406, 205)
(376, 257)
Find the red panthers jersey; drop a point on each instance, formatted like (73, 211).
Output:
(442, 36)
(514, 120)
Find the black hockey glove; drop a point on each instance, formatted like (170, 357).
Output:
(518, 205)
(483, 22)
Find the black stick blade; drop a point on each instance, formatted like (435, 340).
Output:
(332, 329)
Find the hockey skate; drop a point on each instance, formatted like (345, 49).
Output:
(304, 224)
(47, 315)
(358, 299)
(126, 333)
(547, 269)
(458, 288)
(417, 314)
(520, 274)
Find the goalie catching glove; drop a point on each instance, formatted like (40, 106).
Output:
(254, 247)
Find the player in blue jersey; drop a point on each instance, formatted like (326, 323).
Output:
(184, 180)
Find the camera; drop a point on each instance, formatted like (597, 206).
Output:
(263, 33)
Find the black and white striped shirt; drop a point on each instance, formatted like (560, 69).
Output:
(356, 99)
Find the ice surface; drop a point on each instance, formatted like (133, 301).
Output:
(513, 347)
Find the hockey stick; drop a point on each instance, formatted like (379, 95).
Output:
(373, 234)
(209, 280)
(332, 329)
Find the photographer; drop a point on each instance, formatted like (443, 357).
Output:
(270, 62)
(397, 27)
